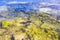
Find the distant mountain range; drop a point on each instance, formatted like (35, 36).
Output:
(52, 8)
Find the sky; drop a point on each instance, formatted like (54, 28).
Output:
(2, 2)
(33, 0)
(55, 3)
(43, 2)
(19, 0)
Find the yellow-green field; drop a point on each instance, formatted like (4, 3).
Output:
(32, 28)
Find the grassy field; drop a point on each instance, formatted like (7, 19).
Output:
(38, 26)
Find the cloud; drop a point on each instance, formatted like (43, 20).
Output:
(46, 10)
(51, 1)
(46, 3)
(3, 8)
(15, 2)
(50, 11)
